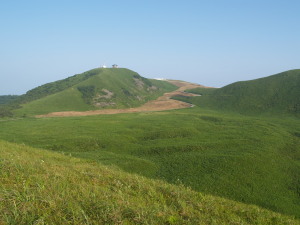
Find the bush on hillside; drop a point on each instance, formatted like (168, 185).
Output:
(5, 112)
(143, 79)
(88, 92)
(4, 99)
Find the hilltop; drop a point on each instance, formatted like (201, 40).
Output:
(99, 88)
(279, 93)
(41, 187)
(162, 103)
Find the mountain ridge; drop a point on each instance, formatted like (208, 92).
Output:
(278, 93)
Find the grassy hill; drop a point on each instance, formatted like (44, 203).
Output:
(247, 159)
(41, 187)
(94, 89)
(278, 93)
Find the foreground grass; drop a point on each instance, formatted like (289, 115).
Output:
(248, 159)
(41, 187)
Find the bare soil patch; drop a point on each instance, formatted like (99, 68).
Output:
(160, 104)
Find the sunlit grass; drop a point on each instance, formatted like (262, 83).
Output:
(248, 159)
(41, 187)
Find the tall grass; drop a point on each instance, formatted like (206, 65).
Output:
(41, 187)
(254, 160)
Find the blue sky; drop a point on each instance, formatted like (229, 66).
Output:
(213, 43)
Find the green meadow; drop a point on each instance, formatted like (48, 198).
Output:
(254, 160)
(43, 187)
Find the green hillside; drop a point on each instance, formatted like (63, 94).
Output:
(94, 89)
(40, 187)
(5, 99)
(278, 93)
(5, 111)
(5, 105)
(247, 159)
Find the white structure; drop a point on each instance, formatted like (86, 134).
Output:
(103, 66)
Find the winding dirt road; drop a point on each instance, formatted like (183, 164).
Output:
(160, 104)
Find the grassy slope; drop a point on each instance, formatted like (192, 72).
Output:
(278, 93)
(248, 159)
(65, 96)
(40, 187)
(56, 86)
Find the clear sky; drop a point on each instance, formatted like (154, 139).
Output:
(213, 43)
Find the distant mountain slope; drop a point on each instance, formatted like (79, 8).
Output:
(278, 93)
(41, 187)
(5, 99)
(5, 105)
(94, 89)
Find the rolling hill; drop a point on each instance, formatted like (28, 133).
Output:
(279, 93)
(41, 187)
(95, 89)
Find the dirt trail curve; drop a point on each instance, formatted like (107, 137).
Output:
(161, 104)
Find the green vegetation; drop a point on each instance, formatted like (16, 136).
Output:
(211, 149)
(5, 99)
(95, 89)
(41, 187)
(88, 92)
(278, 93)
(247, 159)
(6, 106)
(57, 86)
(5, 111)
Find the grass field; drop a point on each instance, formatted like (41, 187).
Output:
(255, 160)
(42, 187)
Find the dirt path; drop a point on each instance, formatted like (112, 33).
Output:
(161, 104)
